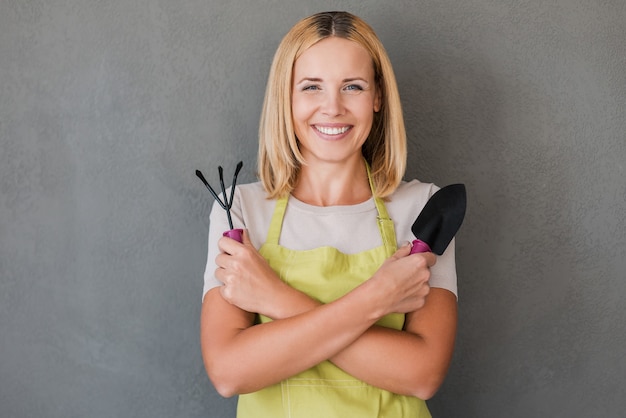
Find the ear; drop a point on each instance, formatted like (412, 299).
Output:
(377, 101)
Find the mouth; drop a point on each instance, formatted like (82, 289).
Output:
(332, 130)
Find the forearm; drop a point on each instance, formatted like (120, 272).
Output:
(402, 362)
(244, 358)
(411, 362)
(397, 361)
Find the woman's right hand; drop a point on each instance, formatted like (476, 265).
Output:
(250, 283)
(401, 282)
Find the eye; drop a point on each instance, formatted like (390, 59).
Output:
(353, 88)
(311, 87)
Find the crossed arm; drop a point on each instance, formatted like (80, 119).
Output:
(241, 357)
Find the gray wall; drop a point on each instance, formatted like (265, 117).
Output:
(107, 108)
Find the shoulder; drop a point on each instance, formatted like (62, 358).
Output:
(411, 196)
(246, 197)
(251, 191)
(415, 188)
(253, 210)
(405, 204)
(250, 196)
(253, 199)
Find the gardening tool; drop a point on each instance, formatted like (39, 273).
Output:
(440, 220)
(227, 203)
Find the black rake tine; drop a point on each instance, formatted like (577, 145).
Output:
(208, 186)
(226, 202)
(232, 188)
(221, 171)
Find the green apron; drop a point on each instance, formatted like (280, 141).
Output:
(326, 391)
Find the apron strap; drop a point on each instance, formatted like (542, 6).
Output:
(385, 224)
(276, 223)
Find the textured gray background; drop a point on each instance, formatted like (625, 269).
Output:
(108, 107)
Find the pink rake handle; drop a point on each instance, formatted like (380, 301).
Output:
(420, 246)
(236, 234)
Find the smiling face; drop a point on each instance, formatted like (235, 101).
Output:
(334, 98)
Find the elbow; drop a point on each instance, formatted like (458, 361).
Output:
(223, 373)
(224, 389)
(223, 382)
(224, 378)
(424, 393)
(425, 389)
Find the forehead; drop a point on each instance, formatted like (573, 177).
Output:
(335, 55)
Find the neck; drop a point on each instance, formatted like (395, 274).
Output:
(329, 184)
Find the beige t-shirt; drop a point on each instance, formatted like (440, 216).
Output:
(350, 229)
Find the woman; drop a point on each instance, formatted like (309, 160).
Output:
(329, 318)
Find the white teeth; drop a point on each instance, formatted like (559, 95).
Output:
(332, 131)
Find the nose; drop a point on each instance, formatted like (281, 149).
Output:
(333, 104)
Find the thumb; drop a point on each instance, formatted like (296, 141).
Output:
(246, 238)
(404, 250)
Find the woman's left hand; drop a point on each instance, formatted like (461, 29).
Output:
(252, 285)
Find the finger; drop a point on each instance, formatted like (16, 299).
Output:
(219, 274)
(220, 260)
(226, 293)
(227, 245)
(431, 259)
(246, 238)
(403, 251)
(224, 276)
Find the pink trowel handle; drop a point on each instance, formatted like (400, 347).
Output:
(420, 246)
(236, 234)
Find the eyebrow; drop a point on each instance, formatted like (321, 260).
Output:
(318, 80)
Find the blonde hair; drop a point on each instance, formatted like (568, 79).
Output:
(279, 158)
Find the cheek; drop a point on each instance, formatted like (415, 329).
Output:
(298, 117)
(366, 113)
(297, 109)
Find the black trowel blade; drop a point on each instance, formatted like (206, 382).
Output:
(441, 217)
